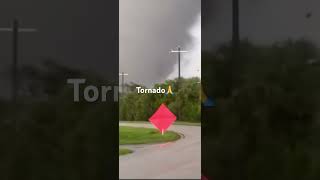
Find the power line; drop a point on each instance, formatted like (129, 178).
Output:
(122, 74)
(15, 30)
(179, 51)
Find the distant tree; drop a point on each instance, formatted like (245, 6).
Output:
(55, 138)
(139, 107)
(267, 125)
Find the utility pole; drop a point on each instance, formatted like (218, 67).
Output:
(15, 29)
(122, 80)
(233, 63)
(235, 24)
(179, 51)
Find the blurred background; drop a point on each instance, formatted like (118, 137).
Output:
(44, 134)
(260, 62)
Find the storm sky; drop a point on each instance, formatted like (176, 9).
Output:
(262, 21)
(76, 32)
(149, 29)
(80, 34)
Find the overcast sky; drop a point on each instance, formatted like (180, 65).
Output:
(76, 33)
(149, 29)
(262, 21)
(80, 34)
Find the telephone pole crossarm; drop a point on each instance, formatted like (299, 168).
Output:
(15, 30)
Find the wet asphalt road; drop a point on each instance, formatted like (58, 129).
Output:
(174, 160)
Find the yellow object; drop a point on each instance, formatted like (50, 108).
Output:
(169, 90)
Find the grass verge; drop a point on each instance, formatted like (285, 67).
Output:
(123, 151)
(135, 135)
(176, 123)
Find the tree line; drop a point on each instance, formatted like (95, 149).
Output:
(265, 124)
(134, 106)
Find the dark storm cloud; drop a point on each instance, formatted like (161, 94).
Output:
(80, 34)
(262, 21)
(149, 29)
(73, 33)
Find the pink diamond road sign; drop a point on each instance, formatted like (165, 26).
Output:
(163, 118)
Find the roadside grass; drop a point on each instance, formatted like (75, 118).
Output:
(123, 151)
(137, 135)
(176, 122)
(187, 123)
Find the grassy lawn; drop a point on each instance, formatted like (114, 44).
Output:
(123, 151)
(176, 122)
(135, 135)
(187, 123)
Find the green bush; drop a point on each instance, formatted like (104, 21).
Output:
(139, 107)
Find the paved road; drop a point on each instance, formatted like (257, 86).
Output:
(174, 160)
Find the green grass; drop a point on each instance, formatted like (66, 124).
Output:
(187, 123)
(176, 123)
(123, 151)
(135, 135)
